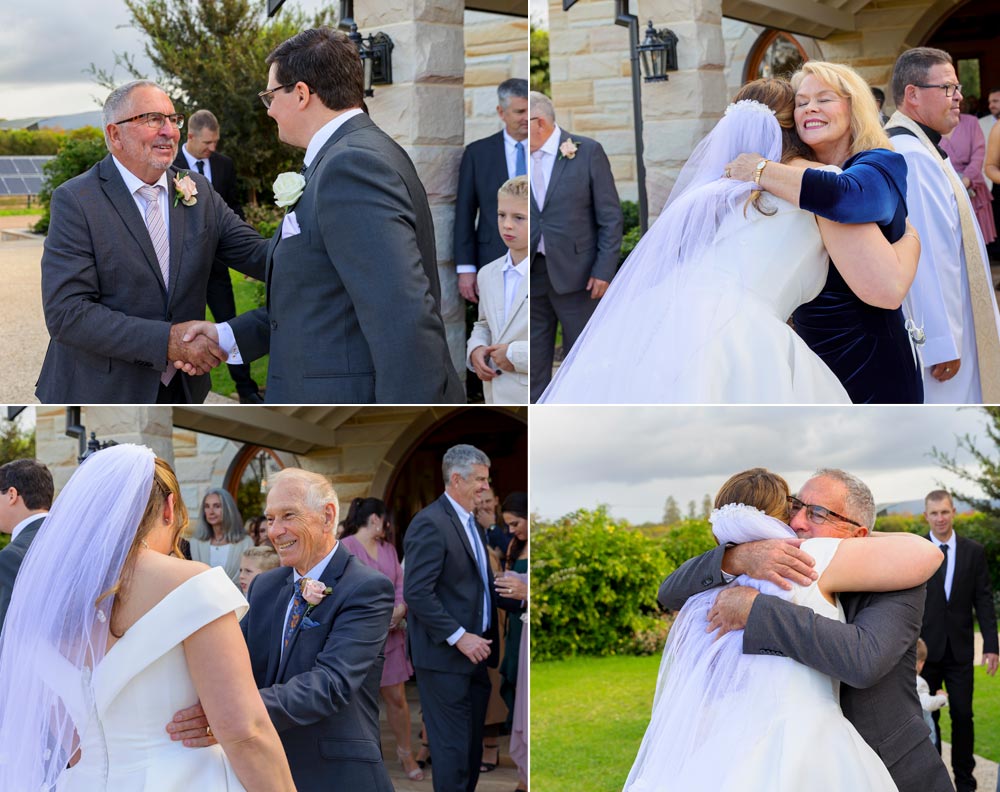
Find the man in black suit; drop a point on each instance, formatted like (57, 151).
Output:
(486, 165)
(25, 498)
(961, 585)
(576, 235)
(451, 621)
(198, 154)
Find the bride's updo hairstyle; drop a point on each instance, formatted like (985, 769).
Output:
(866, 126)
(780, 97)
(757, 487)
(164, 484)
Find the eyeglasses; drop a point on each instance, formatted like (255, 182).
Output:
(267, 96)
(816, 514)
(156, 120)
(949, 88)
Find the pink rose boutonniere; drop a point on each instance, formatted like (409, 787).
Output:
(313, 592)
(185, 190)
(568, 148)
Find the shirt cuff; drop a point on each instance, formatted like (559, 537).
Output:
(454, 637)
(228, 343)
(465, 269)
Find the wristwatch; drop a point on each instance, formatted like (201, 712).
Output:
(758, 170)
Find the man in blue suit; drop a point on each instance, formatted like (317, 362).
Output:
(487, 164)
(315, 635)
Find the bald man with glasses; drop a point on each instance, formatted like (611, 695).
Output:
(873, 654)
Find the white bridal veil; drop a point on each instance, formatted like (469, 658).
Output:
(55, 632)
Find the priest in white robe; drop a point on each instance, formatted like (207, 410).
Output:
(952, 299)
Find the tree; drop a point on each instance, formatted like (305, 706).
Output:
(987, 478)
(78, 155)
(539, 55)
(15, 443)
(671, 511)
(692, 510)
(210, 54)
(706, 507)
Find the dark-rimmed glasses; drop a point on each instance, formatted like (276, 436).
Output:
(816, 514)
(949, 88)
(155, 120)
(267, 96)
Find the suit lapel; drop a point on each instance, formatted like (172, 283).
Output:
(350, 125)
(280, 606)
(520, 300)
(178, 223)
(557, 168)
(118, 194)
(499, 175)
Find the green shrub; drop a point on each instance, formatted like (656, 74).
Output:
(76, 157)
(593, 587)
(686, 539)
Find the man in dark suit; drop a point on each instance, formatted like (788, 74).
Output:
(127, 261)
(353, 298)
(198, 155)
(315, 634)
(873, 654)
(26, 491)
(451, 621)
(576, 235)
(961, 585)
(486, 165)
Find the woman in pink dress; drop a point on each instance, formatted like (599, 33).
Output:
(966, 148)
(365, 537)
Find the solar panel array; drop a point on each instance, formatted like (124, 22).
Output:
(21, 175)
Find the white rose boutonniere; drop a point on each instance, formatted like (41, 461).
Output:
(288, 188)
(185, 189)
(568, 148)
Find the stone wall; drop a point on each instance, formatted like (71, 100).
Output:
(496, 49)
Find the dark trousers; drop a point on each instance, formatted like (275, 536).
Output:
(548, 310)
(173, 393)
(222, 304)
(454, 709)
(957, 679)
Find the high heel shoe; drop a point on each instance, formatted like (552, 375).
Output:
(424, 756)
(489, 767)
(414, 775)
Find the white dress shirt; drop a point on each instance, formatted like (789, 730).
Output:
(193, 162)
(313, 574)
(463, 517)
(133, 183)
(510, 150)
(24, 524)
(547, 155)
(512, 275)
(949, 570)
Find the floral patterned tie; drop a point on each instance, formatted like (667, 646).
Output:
(295, 615)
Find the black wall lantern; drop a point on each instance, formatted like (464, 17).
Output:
(658, 53)
(375, 50)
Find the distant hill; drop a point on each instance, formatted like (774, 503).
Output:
(65, 122)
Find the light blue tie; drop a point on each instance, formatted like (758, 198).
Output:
(520, 164)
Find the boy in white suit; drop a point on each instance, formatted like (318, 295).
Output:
(498, 347)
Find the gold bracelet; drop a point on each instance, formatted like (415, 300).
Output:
(759, 170)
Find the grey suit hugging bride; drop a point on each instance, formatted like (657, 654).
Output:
(804, 679)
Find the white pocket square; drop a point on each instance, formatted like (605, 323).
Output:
(290, 226)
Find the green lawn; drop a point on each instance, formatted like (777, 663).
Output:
(15, 212)
(246, 293)
(588, 716)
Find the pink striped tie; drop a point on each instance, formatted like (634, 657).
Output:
(158, 236)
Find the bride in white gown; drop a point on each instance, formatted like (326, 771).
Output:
(108, 636)
(725, 720)
(698, 313)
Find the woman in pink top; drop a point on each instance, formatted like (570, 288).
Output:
(365, 536)
(966, 148)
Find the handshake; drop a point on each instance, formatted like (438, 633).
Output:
(193, 347)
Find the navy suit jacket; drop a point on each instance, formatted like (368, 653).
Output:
(322, 691)
(481, 174)
(443, 590)
(11, 558)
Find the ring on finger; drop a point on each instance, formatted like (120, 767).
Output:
(208, 731)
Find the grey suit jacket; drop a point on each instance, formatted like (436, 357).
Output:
(443, 590)
(106, 308)
(873, 654)
(581, 219)
(353, 301)
(11, 558)
(322, 691)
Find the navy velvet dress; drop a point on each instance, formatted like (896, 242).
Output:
(867, 348)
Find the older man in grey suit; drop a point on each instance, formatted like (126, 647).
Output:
(576, 234)
(128, 259)
(353, 298)
(873, 654)
(26, 490)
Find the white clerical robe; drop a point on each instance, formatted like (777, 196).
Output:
(939, 299)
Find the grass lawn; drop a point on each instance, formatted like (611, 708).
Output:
(34, 211)
(246, 294)
(588, 716)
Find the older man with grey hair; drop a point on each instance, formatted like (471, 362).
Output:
(873, 654)
(127, 264)
(576, 235)
(451, 622)
(486, 164)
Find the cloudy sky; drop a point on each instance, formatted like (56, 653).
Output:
(634, 458)
(46, 47)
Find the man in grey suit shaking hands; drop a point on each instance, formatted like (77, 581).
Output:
(576, 234)
(353, 298)
(128, 260)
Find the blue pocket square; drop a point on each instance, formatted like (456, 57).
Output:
(308, 624)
